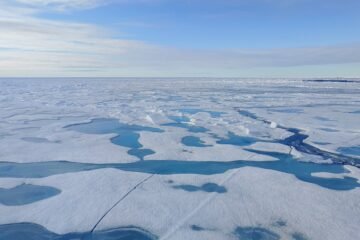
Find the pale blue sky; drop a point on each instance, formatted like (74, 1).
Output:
(230, 38)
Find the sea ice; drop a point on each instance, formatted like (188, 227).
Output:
(179, 159)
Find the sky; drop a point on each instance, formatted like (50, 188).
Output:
(179, 38)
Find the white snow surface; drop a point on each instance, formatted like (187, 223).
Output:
(35, 112)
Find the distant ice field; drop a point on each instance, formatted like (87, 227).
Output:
(258, 159)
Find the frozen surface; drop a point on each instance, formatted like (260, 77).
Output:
(179, 159)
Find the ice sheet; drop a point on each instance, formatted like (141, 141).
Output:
(262, 161)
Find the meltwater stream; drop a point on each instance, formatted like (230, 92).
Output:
(296, 140)
(285, 163)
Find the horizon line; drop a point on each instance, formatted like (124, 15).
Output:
(167, 77)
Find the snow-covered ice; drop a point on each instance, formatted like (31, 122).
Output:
(179, 159)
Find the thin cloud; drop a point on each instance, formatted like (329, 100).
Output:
(62, 4)
(69, 5)
(33, 46)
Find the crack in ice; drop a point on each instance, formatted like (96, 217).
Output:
(296, 141)
(121, 199)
